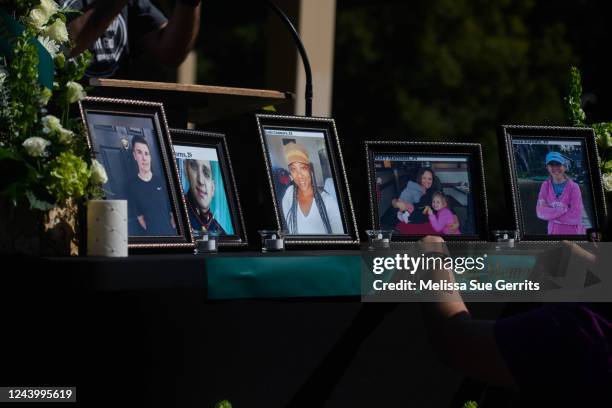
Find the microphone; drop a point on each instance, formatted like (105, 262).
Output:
(303, 55)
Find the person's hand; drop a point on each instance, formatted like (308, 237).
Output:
(433, 244)
(427, 210)
(409, 207)
(400, 204)
(554, 262)
(142, 222)
(558, 204)
(454, 226)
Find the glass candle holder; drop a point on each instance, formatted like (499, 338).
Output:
(379, 239)
(206, 242)
(504, 238)
(272, 240)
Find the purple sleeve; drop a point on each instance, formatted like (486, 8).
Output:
(439, 222)
(543, 210)
(559, 351)
(574, 213)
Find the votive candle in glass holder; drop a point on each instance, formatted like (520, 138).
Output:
(379, 239)
(504, 239)
(206, 242)
(272, 240)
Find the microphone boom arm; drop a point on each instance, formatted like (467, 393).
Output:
(303, 55)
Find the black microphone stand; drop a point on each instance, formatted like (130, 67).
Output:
(302, 50)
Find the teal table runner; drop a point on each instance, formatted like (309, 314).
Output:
(283, 276)
(300, 275)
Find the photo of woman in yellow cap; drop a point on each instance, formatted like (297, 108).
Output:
(307, 208)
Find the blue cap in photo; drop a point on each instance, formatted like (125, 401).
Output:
(557, 157)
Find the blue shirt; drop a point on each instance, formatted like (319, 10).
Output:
(558, 188)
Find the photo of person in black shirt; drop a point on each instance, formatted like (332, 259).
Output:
(148, 196)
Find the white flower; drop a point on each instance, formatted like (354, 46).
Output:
(65, 136)
(74, 92)
(50, 45)
(49, 7)
(39, 16)
(98, 174)
(51, 124)
(57, 32)
(607, 181)
(36, 146)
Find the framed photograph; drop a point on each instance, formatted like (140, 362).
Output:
(207, 180)
(555, 182)
(311, 199)
(131, 140)
(427, 188)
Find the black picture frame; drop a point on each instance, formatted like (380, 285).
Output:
(217, 141)
(474, 212)
(275, 129)
(116, 122)
(587, 166)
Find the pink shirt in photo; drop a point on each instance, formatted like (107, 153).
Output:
(440, 221)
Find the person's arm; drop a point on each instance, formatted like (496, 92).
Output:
(172, 42)
(454, 224)
(543, 210)
(573, 215)
(437, 224)
(89, 26)
(402, 205)
(463, 343)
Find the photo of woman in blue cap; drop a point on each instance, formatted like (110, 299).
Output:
(560, 199)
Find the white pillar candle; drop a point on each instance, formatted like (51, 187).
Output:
(107, 229)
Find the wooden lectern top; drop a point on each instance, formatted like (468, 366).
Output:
(190, 102)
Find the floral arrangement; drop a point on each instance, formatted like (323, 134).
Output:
(603, 131)
(44, 157)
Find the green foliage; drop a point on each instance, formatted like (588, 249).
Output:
(573, 100)
(603, 131)
(68, 176)
(70, 69)
(63, 171)
(23, 87)
(223, 404)
(470, 404)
